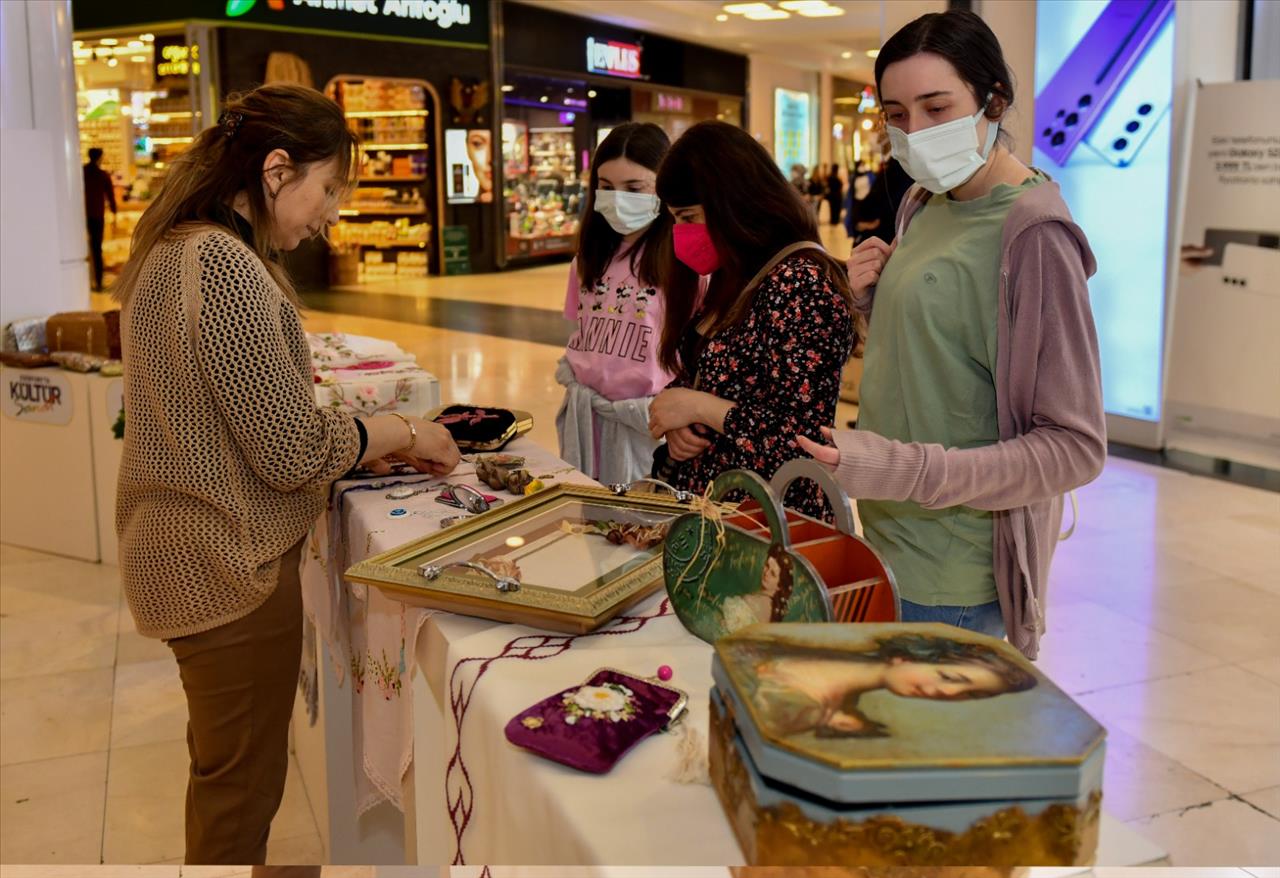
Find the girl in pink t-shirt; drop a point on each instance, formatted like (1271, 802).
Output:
(610, 368)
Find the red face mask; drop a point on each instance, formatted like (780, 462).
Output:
(694, 248)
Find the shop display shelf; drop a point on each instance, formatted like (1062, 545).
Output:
(419, 146)
(412, 178)
(382, 210)
(399, 245)
(378, 114)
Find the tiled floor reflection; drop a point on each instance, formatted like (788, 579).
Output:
(1163, 613)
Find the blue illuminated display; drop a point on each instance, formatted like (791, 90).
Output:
(1104, 84)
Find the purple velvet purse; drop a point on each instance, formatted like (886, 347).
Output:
(591, 726)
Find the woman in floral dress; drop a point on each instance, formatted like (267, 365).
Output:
(757, 357)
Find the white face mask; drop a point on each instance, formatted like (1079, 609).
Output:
(627, 212)
(944, 156)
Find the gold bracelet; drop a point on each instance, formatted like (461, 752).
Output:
(413, 433)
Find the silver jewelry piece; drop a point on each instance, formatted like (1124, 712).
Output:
(432, 572)
(621, 489)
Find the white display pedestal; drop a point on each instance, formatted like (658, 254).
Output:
(106, 400)
(46, 457)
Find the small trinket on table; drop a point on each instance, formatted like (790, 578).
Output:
(593, 725)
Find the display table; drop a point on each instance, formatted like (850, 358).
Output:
(412, 761)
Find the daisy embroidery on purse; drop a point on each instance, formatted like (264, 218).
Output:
(612, 701)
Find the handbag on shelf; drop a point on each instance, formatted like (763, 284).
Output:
(86, 332)
(25, 335)
(762, 563)
(477, 428)
(593, 725)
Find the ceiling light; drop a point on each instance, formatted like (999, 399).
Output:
(812, 8)
(140, 59)
(873, 53)
(744, 8)
(846, 55)
(569, 90)
(767, 15)
(544, 99)
(148, 38)
(508, 88)
(109, 41)
(135, 44)
(112, 62)
(867, 124)
(591, 93)
(722, 17)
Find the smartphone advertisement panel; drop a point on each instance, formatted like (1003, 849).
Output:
(1104, 89)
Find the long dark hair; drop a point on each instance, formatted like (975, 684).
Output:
(645, 144)
(752, 213)
(966, 41)
(226, 159)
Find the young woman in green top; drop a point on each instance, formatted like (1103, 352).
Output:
(942, 456)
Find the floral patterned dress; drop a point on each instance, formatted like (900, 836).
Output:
(781, 365)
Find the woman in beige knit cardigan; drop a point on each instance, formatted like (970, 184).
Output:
(227, 459)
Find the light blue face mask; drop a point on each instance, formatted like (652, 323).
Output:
(944, 156)
(627, 212)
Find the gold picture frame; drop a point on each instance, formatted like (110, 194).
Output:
(540, 561)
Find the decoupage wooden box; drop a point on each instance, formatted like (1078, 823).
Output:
(899, 744)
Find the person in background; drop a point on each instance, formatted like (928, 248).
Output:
(817, 190)
(981, 399)
(799, 180)
(610, 369)
(876, 215)
(860, 181)
(835, 195)
(99, 192)
(227, 460)
(758, 357)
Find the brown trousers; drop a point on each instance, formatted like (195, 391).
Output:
(240, 680)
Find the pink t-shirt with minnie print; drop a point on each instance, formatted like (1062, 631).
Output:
(614, 349)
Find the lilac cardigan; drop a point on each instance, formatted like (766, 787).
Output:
(1048, 402)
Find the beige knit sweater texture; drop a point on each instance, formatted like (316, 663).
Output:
(227, 459)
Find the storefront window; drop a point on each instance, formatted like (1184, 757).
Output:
(134, 103)
(549, 133)
(384, 229)
(677, 111)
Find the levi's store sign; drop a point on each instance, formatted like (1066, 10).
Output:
(613, 58)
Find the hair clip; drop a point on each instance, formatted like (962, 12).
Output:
(230, 122)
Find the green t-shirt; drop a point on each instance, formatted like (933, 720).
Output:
(928, 376)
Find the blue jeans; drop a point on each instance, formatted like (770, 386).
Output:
(984, 618)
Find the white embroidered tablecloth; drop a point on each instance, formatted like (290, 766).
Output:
(370, 636)
(333, 350)
(369, 376)
(506, 805)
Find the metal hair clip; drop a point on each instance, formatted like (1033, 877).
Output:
(230, 122)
